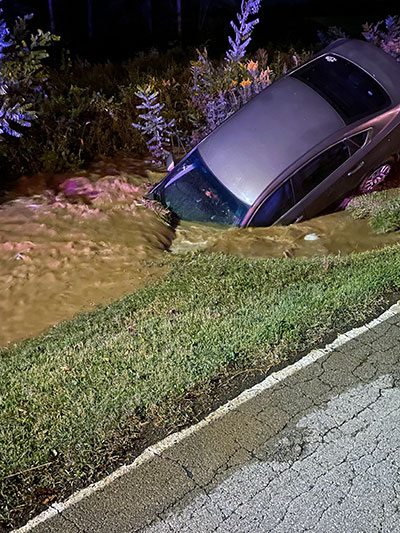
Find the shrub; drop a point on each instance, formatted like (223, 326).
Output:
(153, 124)
(219, 90)
(385, 34)
(332, 34)
(23, 89)
(86, 110)
(242, 32)
(22, 75)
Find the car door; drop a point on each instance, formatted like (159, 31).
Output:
(321, 183)
(343, 183)
(288, 202)
(310, 190)
(275, 206)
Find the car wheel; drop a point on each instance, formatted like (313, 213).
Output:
(376, 177)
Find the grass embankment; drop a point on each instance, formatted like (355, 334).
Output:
(78, 395)
(381, 208)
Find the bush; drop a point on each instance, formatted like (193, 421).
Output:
(22, 75)
(23, 88)
(218, 90)
(84, 111)
(385, 34)
(88, 112)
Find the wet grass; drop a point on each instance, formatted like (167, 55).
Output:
(381, 208)
(74, 399)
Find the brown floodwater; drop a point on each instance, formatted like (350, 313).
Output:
(337, 233)
(92, 238)
(63, 255)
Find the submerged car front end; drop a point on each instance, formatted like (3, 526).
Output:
(222, 178)
(193, 192)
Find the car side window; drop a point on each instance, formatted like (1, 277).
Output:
(358, 140)
(273, 207)
(319, 168)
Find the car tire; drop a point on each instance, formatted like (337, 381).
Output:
(376, 177)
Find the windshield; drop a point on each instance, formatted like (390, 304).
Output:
(194, 193)
(350, 90)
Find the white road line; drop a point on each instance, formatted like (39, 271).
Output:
(175, 438)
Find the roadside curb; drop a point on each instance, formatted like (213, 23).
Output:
(175, 438)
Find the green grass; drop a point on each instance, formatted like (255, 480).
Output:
(382, 208)
(76, 395)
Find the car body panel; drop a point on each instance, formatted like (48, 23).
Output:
(384, 130)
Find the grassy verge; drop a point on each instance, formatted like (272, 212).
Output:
(381, 208)
(73, 398)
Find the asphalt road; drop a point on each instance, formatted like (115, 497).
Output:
(317, 450)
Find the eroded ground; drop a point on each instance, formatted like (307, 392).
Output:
(91, 238)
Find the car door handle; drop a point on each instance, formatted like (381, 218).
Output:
(360, 164)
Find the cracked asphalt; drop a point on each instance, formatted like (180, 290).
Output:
(318, 451)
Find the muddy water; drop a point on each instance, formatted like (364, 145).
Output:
(60, 256)
(336, 233)
(94, 239)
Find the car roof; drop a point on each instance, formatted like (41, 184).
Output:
(246, 152)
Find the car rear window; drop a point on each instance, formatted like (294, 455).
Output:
(194, 193)
(349, 89)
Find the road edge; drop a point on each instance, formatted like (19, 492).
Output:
(174, 438)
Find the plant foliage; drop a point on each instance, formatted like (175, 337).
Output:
(220, 90)
(332, 34)
(22, 75)
(385, 34)
(243, 31)
(152, 123)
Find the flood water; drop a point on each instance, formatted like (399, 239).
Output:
(96, 239)
(337, 233)
(59, 256)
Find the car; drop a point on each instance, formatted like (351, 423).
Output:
(324, 130)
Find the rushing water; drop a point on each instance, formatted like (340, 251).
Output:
(59, 257)
(337, 233)
(95, 239)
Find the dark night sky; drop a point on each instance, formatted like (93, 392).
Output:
(121, 28)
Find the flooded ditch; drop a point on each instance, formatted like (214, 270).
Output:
(337, 233)
(96, 239)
